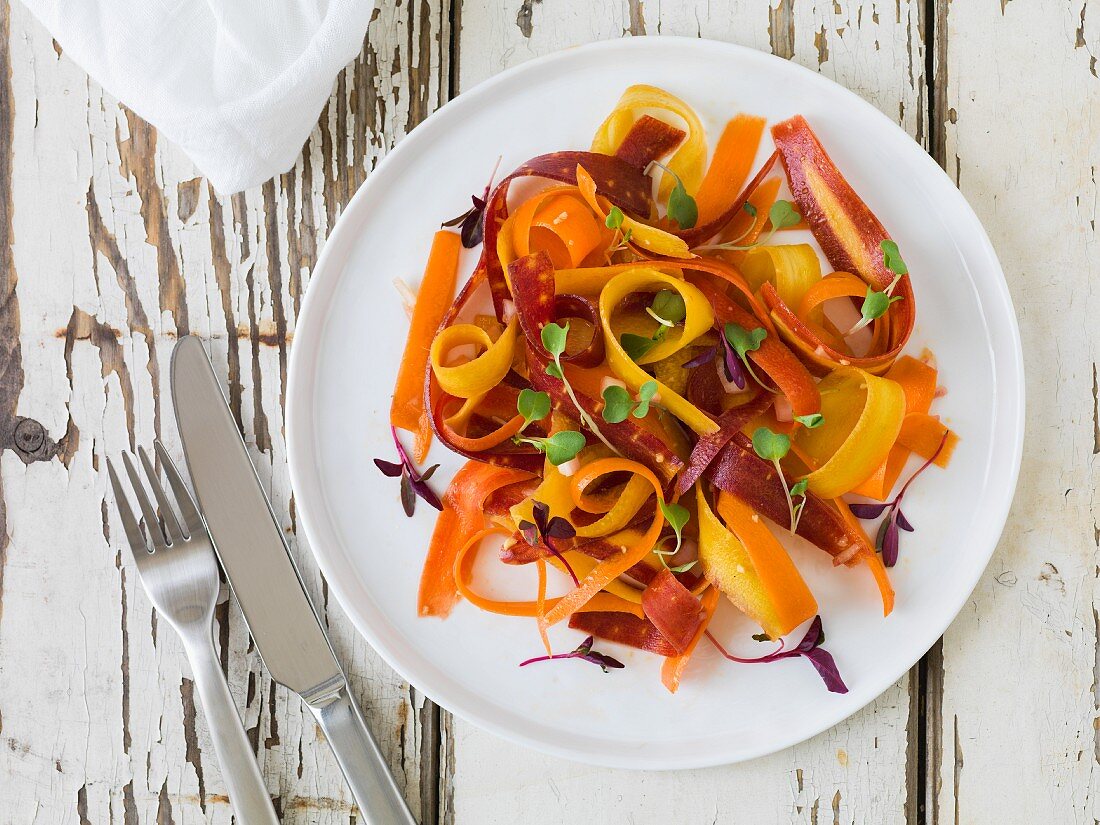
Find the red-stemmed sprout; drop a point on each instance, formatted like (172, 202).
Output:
(413, 482)
(472, 220)
(810, 648)
(584, 652)
(889, 535)
(544, 530)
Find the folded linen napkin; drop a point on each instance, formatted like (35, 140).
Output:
(237, 84)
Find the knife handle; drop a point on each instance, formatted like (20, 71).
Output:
(247, 791)
(379, 799)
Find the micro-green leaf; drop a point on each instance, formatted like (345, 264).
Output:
(532, 405)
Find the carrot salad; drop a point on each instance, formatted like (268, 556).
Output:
(670, 378)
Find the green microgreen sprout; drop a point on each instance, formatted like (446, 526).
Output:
(618, 404)
(636, 346)
(677, 516)
(781, 215)
(681, 206)
(744, 341)
(811, 421)
(532, 405)
(875, 304)
(561, 446)
(614, 221)
(773, 447)
(554, 337)
(668, 308)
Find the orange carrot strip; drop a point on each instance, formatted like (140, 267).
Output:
(790, 597)
(488, 441)
(433, 299)
(729, 167)
(923, 433)
(540, 605)
(918, 379)
(463, 573)
(461, 518)
(881, 482)
(674, 666)
(609, 569)
(920, 433)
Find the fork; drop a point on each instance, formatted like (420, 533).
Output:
(180, 574)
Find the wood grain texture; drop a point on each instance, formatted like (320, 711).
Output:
(1018, 737)
(111, 246)
(862, 770)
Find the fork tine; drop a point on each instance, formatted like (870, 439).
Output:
(186, 504)
(133, 532)
(167, 514)
(148, 514)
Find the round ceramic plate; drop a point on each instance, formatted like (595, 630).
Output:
(349, 340)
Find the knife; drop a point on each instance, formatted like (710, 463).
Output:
(266, 582)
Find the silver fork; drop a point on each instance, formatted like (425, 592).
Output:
(180, 574)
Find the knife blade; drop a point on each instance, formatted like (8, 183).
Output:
(266, 582)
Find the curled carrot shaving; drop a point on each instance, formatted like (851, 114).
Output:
(609, 569)
(461, 518)
(463, 575)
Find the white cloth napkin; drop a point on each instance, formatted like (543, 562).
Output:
(237, 84)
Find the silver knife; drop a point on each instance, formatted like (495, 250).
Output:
(265, 580)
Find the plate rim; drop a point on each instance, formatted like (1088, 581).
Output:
(1008, 373)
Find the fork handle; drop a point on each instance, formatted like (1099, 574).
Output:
(376, 793)
(247, 791)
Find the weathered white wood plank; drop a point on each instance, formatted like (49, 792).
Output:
(1018, 735)
(116, 248)
(856, 772)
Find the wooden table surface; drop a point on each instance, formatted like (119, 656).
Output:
(111, 246)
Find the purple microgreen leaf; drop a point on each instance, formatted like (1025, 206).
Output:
(472, 220)
(902, 521)
(888, 542)
(425, 492)
(809, 647)
(408, 495)
(389, 468)
(603, 660)
(735, 373)
(530, 533)
(814, 636)
(413, 482)
(705, 357)
(826, 668)
(868, 511)
(473, 227)
(585, 653)
(461, 218)
(560, 528)
(541, 514)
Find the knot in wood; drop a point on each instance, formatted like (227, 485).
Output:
(29, 436)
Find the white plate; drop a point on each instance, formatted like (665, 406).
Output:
(351, 332)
